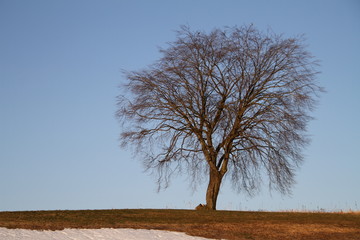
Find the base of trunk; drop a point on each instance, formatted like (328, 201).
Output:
(213, 189)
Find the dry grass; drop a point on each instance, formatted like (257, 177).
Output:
(323, 211)
(210, 224)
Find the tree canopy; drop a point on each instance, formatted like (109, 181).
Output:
(235, 100)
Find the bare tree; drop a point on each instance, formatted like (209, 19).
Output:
(231, 101)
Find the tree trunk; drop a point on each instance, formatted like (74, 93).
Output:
(213, 189)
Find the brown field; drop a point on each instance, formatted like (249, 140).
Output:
(210, 224)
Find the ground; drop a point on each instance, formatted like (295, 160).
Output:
(231, 225)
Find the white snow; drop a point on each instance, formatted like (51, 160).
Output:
(89, 234)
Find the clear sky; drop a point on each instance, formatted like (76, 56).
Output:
(60, 68)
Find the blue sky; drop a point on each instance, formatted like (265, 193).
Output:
(60, 68)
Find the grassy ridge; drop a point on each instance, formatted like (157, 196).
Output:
(210, 224)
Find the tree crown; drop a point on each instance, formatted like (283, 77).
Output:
(233, 100)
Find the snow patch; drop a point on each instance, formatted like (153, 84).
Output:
(93, 234)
